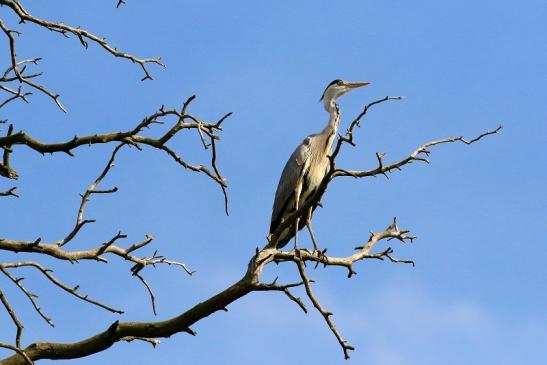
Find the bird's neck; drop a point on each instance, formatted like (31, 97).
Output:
(334, 119)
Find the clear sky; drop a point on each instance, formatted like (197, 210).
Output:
(478, 293)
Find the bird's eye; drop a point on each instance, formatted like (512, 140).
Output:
(340, 83)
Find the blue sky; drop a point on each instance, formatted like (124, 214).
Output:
(478, 293)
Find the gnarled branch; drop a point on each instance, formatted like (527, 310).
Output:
(56, 250)
(83, 36)
(135, 137)
(250, 282)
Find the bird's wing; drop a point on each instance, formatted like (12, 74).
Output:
(292, 174)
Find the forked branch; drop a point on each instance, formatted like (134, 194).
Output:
(182, 121)
(16, 72)
(419, 154)
(84, 36)
(98, 253)
(9, 192)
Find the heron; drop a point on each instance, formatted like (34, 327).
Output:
(305, 170)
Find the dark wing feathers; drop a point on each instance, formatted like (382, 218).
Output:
(292, 174)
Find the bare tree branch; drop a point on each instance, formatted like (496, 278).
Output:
(348, 137)
(135, 138)
(14, 64)
(363, 252)
(48, 274)
(97, 253)
(346, 347)
(93, 254)
(15, 95)
(5, 169)
(248, 283)
(83, 36)
(150, 292)
(26, 359)
(13, 317)
(6, 78)
(31, 296)
(416, 155)
(80, 221)
(9, 192)
(273, 286)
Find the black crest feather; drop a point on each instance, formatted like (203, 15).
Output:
(329, 85)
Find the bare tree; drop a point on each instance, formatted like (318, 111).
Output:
(20, 80)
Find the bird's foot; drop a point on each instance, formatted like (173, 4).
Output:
(298, 254)
(321, 257)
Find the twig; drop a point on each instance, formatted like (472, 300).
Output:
(135, 138)
(28, 294)
(348, 137)
(5, 169)
(26, 359)
(13, 316)
(416, 155)
(48, 274)
(83, 36)
(80, 221)
(9, 33)
(346, 347)
(150, 292)
(9, 192)
(273, 286)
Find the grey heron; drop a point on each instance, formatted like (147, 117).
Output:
(306, 168)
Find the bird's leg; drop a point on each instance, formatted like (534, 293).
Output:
(296, 249)
(297, 199)
(315, 246)
(308, 225)
(296, 234)
(296, 230)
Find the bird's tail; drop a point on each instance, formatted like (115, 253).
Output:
(286, 235)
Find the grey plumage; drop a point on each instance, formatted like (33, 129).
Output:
(306, 168)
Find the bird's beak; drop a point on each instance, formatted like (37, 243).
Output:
(354, 85)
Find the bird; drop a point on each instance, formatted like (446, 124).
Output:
(305, 170)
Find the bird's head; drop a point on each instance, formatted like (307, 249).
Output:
(338, 88)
